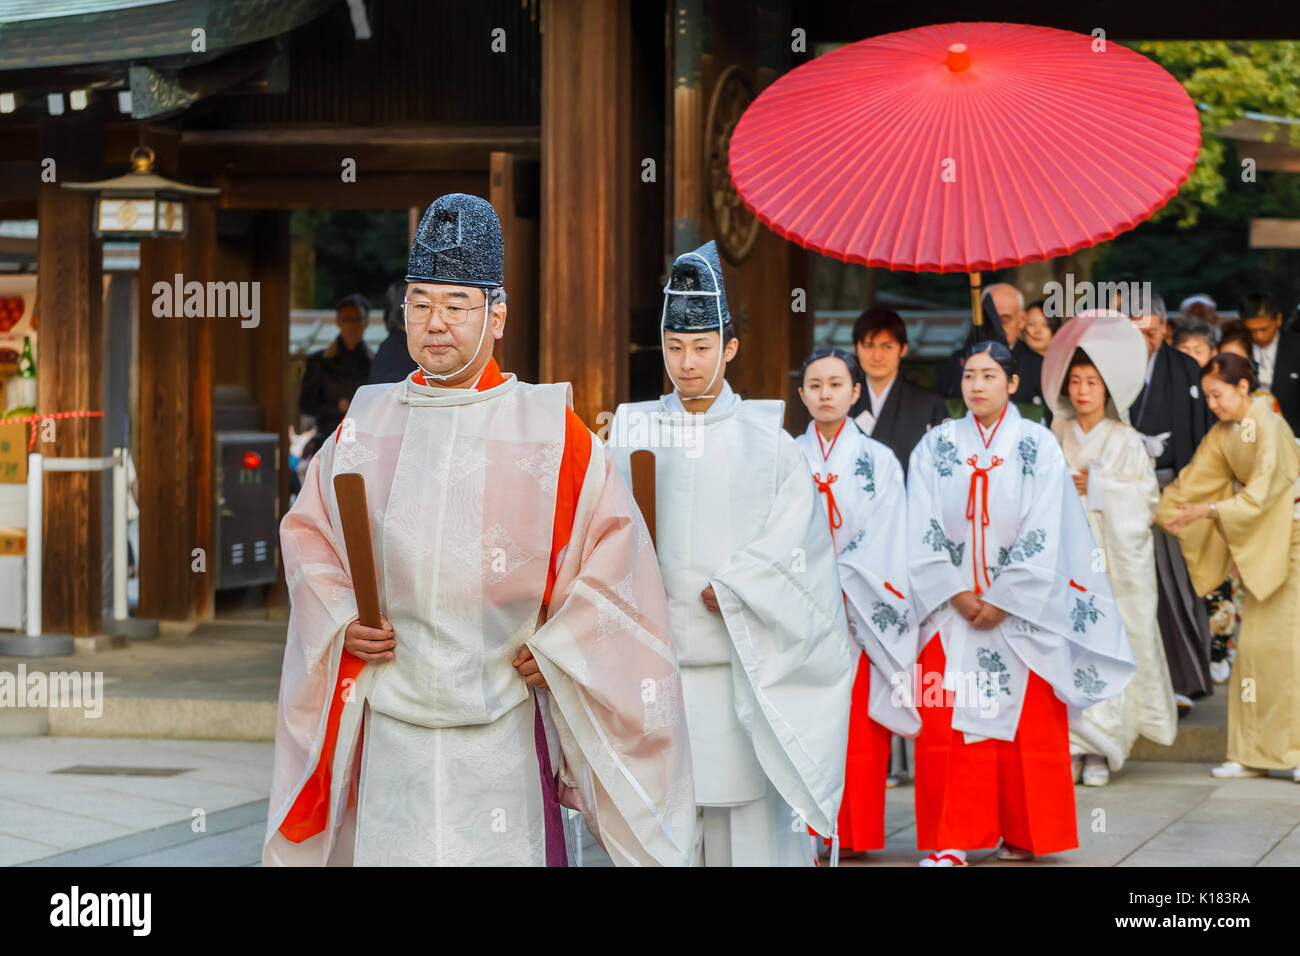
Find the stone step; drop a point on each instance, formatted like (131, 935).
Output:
(169, 718)
(165, 718)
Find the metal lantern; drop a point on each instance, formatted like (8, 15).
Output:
(141, 204)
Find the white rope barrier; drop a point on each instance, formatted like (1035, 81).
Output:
(37, 465)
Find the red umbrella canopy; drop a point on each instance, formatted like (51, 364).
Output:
(964, 146)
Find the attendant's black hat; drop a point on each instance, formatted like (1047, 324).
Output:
(458, 242)
(690, 303)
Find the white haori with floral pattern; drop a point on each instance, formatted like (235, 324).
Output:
(863, 480)
(994, 512)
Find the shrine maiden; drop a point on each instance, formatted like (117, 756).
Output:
(860, 482)
(1017, 624)
(753, 596)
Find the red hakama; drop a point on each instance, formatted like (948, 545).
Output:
(862, 808)
(970, 796)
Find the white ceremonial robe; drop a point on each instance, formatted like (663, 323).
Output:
(864, 479)
(767, 683)
(1003, 520)
(461, 486)
(1121, 505)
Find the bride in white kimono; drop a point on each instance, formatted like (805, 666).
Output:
(1019, 622)
(861, 486)
(1092, 373)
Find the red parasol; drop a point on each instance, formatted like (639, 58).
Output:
(964, 146)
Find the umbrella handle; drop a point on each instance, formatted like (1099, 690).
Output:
(976, 312)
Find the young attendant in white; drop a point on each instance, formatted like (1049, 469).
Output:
(753, 595)
(1017, 624)
(865, 498)
(1092, 372)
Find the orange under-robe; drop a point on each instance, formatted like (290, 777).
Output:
(970, 796)
(310, 811)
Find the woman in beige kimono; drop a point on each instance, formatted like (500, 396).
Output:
(1235, 503)
(1092, 372)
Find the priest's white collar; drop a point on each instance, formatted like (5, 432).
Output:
(724, 406)
(427, 395)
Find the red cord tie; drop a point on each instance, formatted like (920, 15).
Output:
(832, 510)
(33, 419)
(979, 486)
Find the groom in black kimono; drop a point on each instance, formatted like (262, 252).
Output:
(1171, 411)
(891, 410)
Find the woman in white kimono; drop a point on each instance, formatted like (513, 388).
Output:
(1018, 622)
(1092, 373)
(860, 483)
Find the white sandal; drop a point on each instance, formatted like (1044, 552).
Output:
(946, 858)
(1096, 773)
(1014, 853)
(1230, 768)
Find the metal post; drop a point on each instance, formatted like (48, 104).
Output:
(119, 534)
(34, 516)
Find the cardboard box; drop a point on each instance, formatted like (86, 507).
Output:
(13, 541)
(13, 453)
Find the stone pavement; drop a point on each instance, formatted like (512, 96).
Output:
(1152, 814)
(120, 816)
(1155, 813)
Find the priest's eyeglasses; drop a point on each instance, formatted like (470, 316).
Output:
(453, 312)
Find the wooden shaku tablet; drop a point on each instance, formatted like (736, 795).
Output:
(643, 486)
(350, 490)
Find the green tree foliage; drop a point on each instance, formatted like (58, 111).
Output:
(1226, 80)
(357, 250)
(1215, 256)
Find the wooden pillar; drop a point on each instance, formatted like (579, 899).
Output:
(201, 253)
(689, 28)
(166, 461)
(515, 197)
(270, 267)
(586, 170)
(174, 422)
(70, 296)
